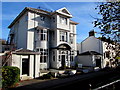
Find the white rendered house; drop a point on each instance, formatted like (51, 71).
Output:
(96, 45)
(52, 34)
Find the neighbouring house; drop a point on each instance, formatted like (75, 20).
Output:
(52, 34)
(90, 58)
(26, 60)
(92, 46)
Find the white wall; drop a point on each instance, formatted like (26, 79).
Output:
(91, 44)
(31, 66)
(34, 20)
(37, 65)
(86, 60)
(60, 25)
(54, 24)
(30, 40)
(22, 32)
(17, 61)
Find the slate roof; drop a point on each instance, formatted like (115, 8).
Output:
(90, 53)
(39, 11)
(25, 52)
(73, 22)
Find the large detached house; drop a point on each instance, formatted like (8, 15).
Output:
(51, 34)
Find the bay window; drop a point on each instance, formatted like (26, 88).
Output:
(42, 35)
(63, 36)
(71, 38)
(44, 55)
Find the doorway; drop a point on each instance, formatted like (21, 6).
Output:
(25, 66)
(63, 60)
(98, 62)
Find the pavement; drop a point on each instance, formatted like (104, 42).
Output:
(56, 83)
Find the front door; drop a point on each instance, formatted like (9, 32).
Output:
(63, 61)
(98, 63)
(25, 66)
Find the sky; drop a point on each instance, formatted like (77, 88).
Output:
(83, 13)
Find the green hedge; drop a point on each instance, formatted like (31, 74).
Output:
(10, 76)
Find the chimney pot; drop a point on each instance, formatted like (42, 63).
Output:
(91, 33)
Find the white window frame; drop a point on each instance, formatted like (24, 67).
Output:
(44, 53)
(63, 36)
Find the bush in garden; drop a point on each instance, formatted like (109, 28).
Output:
(47, 76)
(10, 76)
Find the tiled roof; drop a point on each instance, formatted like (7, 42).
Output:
(73, 22)
(90, 53)
(25, 51)
(39, 11)
(28, 9)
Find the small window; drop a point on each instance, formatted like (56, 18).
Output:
(71, 59)
(59, 57)
(37, 31)
(42, 18)
(104, 55)
(71, 39)
(43, 35)
(54, 58)
(37, 50)
(45, 59)
(66, 21)
(53, 35)
(53, 19)
(63, 36)
(41, 31)
(107, 54)
(41, 59)
(66, 57)
(73, 28)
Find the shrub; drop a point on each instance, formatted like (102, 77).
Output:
(10, 76)
(47, 76)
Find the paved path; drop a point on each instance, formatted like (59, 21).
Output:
(55, 83)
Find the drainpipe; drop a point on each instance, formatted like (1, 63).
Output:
(34, 49)
(34, 66)
(81, 47)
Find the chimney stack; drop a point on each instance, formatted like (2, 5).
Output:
(91, 33)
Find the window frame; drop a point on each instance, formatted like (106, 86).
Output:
(44, 55)
(63, 36)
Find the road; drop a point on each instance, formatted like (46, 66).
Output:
(82, 82)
